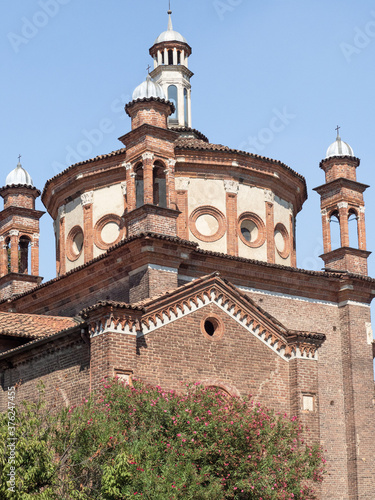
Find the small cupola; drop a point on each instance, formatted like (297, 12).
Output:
(170, 53)
(339, 148)
(19, 177)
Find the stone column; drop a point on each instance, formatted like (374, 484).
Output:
(344, 226)
(88, 230)
(231, 189)
(14, 250)
(270, 226)
(35, 255)
(148, 168)
(175, 56)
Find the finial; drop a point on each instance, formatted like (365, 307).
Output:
(337, 129)
(170, 26)
(19, 159)
(148, 69)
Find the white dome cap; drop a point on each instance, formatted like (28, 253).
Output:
(19, 176)
(170, 35)
(339, 148)
(147, 89)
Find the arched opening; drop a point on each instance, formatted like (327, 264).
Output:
(8, 253)
(334, 223)
(162, 58)
(179, 57)
(159, 186)
(170, 57)
(172, 96)
(24, 255)
(186, 107)
(353, 228)
(139, 186)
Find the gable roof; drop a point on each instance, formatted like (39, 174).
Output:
(149, 315)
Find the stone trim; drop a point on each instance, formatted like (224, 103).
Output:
(87, 198)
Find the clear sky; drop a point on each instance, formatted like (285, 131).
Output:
(69, 66)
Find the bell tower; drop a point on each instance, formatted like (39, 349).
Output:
(342, 202)
(19, 235)
(171, 53)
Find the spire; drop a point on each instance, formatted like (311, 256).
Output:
(170, 25)
(338, 138)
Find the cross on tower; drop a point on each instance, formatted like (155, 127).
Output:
(19, 158)
(337, 130)
(148, 69)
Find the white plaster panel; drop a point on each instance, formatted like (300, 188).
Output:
(206, 192)
(252, 253)
(73, 217)
(108, 200)
(251, 199)
(282, 214)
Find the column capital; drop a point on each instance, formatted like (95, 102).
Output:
(14, 232)
(128, 166)
(361, 210)
(231, 186)
(172, 163)
(148, 156)
(324, 212)
(123, 188)
(342, 204)
(182, 184)
(87, 198)
(269, 196)
(61, 211)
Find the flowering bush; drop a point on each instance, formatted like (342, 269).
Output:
(144, 442)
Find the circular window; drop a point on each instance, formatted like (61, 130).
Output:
(282, 242)
(251, 230)
(108, 231)
(207, 223)
(74, 243)
(212, 327)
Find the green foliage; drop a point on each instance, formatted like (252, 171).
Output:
(142, 442)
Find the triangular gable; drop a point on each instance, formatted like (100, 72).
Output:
(148, 316)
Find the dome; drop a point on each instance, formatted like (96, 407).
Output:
(19, 176)
(170, 35)
(148, 88)
(339, 148)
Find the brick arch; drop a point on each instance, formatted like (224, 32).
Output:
(255, 219)
(70, 253)
(216, 383)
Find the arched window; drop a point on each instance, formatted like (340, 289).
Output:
(23, 255)
(170, 57)
(139, 189)
(186, 107)
(172, 96)
(353, 228)
(159, 186)
(334, 221)
(8, 251)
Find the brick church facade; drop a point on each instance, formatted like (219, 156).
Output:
(176, 261)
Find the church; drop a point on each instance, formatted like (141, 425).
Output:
(176, 262)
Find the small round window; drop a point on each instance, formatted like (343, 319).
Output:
(282, 242)
(251, 230)
(212, 327)
(74, 243)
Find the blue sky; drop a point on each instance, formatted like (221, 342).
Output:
(69, 66)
